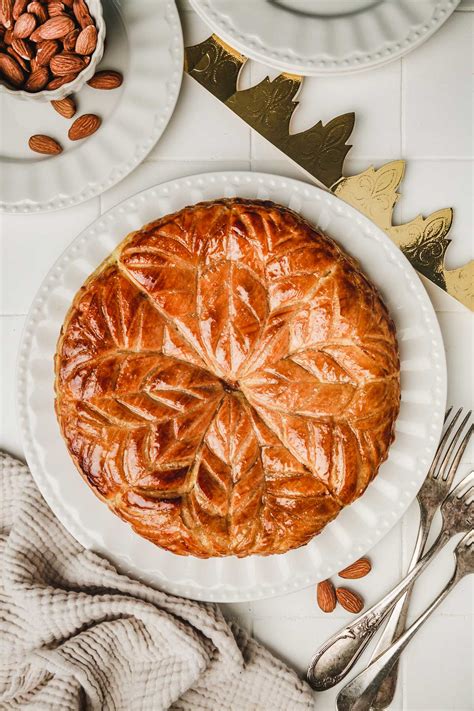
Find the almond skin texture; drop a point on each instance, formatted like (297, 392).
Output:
(358, 569)
(87, 40)
(349, 600)
(6, 13)
(24, 26)
(18, 59)
(106, 79)
(19, 7)
(66, 107)
(56, 27)
(46, 51)
(84, 126)
(37, 9)
(23, 48)
(326, 596)
(66, 63)
(81, 13)
(59, 81)
(55, 8)
(37, 80)
(44, 144)
(69, 42)
(11, 70)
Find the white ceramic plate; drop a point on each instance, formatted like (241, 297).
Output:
(145, 43)
(359, 526)
(314, 37)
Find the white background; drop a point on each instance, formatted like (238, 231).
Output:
(418, 108)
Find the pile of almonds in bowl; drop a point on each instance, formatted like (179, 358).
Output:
(48, 45)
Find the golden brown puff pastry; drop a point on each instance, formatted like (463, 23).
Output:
(228, 380)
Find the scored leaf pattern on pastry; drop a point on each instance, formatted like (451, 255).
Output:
(228, 381)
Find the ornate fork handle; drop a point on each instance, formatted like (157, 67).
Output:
(332, 662)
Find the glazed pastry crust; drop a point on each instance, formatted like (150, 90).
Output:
(228, 380)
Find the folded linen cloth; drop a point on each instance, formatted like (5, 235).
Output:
(76, 634)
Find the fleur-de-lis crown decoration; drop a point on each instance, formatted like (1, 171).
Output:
(321, 150)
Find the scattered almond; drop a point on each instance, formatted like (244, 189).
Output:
(44, 144)
(11, 70)
(66, 107)
(66, 63)
(106, 79)
(84, 126)
(87, 40)
(8, 37)
(24, 26)
(326, 596)
(358, 569)
(349, 600)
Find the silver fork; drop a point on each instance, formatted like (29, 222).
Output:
(337, 656)
(434, 489)
(358, 694)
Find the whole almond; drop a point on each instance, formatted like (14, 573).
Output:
(11, 70)
(55, 8)
(23, 48)
(87, 40)
(68, 3)
(84, 126)
(19, 7)
(37, 79)
(349, 600)
(44, 144)
(36, 8)
(69, 42)
(6, 13)
(24, 26)
(66, 107)
(326, 596)
(56, 27)
(46, 51)
(60, 81)
(8, 37)
(106, 79)
(66, 63)
(18, 58)
(81, 12)
(356, 570)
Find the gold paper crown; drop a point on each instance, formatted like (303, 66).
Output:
(321, 150)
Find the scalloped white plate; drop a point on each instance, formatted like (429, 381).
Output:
(144, 42)
(315, 37)
(359, 526)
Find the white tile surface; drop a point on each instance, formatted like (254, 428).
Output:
(436, 79)
(418, 109)
(11, 328)
(30, 245)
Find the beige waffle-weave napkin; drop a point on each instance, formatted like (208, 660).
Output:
(75, 634)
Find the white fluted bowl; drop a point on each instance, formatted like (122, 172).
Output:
(95, 10)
